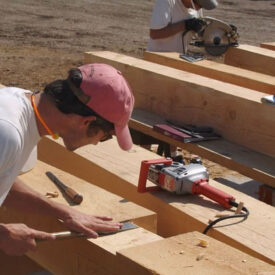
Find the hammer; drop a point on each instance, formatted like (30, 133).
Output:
(72, 194)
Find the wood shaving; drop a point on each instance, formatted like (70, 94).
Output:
(239, 208)
(203, 243)
(200, 257)
(220, 215)
(52, 194)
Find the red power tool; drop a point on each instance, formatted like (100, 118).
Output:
(179, 178)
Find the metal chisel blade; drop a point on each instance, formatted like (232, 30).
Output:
(125, 226)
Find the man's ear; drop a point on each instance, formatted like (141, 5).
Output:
(86, 120)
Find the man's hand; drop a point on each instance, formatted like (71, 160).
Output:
(26, 199)
(17, 239)
(88, 224)
(194, 24)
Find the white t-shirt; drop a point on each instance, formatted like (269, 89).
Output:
(18, 135)
(164, 13)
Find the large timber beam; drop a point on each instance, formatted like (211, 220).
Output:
(251, 58)
(233, 156)
(234, 111)
(118, 171)
(23, 265)
(183, 254)
(268, 45)
(245, 78)
(82, 256)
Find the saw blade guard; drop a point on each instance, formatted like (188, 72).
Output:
(218, 36)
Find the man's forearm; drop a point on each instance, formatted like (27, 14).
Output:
(169, 30)
(23, 197)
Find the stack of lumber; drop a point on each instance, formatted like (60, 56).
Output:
(117, 172)
(232, 249)
(181, 92)
(81, 256)
(168, 239)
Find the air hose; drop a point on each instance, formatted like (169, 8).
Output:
(241, 215)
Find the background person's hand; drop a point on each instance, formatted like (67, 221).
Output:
(17, 239)
(194, 24)
(89, 225)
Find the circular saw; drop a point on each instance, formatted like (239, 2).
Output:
(215, 37)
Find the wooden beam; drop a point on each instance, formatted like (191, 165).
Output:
(268, 45)
(182, 254)
(245, 78)
(233, 111)
(12, 265)
(251, 58)
(235, 157)
(118, 171)
(79, 255)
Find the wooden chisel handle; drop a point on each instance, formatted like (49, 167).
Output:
(126, 225)
(64, 235)
(67, 235)
(71, 193)
(75, 197)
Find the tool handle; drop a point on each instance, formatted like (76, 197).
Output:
(64, 235)
(143, 174)
(74, 196)
(71, 193)
(67, 235)
(202, 187)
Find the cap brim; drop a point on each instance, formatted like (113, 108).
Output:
(124, 138)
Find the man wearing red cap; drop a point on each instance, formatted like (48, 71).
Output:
(92, 104)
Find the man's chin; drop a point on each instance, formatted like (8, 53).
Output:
(69, 147)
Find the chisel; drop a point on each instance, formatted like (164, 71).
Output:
(72, 194)
(69, 234)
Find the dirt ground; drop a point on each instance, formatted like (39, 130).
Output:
(40, 40)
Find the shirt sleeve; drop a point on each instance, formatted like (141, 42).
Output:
(161, 15)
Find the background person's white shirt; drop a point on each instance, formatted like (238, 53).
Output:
(18, 135)
(165, 12)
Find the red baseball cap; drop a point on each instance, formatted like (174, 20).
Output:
(106, 92)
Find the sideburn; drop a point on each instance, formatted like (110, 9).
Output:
(92, 130)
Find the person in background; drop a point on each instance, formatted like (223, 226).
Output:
(170, 20)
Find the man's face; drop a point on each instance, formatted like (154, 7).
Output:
(77, 134)
(188, 4)
(77, 139)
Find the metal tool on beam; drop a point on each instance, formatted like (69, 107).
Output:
(180, 179)
(214, 38)
(70, 234)
(71, 193)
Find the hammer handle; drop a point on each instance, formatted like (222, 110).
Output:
(71, 193)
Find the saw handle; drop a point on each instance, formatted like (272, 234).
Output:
(202, 187)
